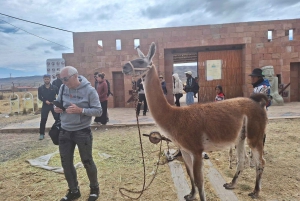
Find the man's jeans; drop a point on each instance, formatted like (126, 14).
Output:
(84, 140)
(189, 98)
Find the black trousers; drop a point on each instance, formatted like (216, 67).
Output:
(177, 98)
(103, 118)
(44, 116)
(142, 98)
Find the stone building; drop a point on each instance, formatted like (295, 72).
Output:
(239, 46)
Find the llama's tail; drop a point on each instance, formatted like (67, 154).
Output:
(262, 99)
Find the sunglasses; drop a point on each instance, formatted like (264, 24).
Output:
(66, 79)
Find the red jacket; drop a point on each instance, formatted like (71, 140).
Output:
(102, 90)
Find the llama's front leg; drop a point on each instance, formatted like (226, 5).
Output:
(189, 168)
(198, 175)
(257, 156)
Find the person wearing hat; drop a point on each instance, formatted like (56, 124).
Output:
(260, 85)
(47, 94)
(163, 85)
(189, 87)
(58, 81)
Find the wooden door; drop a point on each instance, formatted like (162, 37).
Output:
(118, 89)
(295, 82)
(231, 81)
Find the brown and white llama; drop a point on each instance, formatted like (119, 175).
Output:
(205, 127)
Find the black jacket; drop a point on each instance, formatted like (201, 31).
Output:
(190, 85)
(49, 94)
(57, 83)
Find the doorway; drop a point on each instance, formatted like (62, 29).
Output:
(180, 69)
(295, 82)
(118, 89)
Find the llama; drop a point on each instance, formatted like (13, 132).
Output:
(196, 128)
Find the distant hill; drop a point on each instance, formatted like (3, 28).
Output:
(181, 69)
(33, 81)
(37, 80)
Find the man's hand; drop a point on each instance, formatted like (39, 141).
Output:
(57, 110)
(47, 102)
(74, 109)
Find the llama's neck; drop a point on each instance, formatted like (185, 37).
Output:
(158, 105)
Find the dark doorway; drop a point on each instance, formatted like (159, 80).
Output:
(118, 89)
(295, 82)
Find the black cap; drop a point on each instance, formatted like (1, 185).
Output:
(257, 72)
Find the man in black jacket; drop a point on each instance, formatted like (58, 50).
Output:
(58, 81)
(142, 97)
(189, 88)
(47, 93)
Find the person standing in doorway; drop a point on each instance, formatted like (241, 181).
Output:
(142, 97)
(177, 89)
(163, 85)
(58, 81)
(102, 91)
(189, 88)
(47, 94)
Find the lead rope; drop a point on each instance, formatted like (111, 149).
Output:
(135, 95)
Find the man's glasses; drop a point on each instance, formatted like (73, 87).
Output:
(66, 79)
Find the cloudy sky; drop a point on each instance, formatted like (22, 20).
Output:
(23, 54)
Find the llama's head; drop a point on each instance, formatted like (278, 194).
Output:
(140, 66)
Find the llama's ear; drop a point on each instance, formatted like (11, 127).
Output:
(151, 52)
(140, 53)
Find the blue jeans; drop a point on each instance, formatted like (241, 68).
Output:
(67, 142)
(189, 98)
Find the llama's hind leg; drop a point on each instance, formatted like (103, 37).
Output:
(189, 168)
(260, 164)
(198, 175)
(241, 160)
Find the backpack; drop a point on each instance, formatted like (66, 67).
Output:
(196, 88)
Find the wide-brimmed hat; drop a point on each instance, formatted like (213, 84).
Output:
(257, 72)
(189, 72)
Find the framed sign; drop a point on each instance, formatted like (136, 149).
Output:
(213, 69)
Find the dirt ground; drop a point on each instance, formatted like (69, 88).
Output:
(20, 181)
(281, 176)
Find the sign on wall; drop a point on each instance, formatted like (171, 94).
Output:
(53, 66)
(213, 69)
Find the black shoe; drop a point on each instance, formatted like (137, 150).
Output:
(71, 195)
(144, 114)
(206, 156)
(94, 195)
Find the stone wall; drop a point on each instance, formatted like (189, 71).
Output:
(258, 51)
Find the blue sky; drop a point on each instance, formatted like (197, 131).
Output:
(22, 54)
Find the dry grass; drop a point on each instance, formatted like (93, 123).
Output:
(281, 177)
(20, 181)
